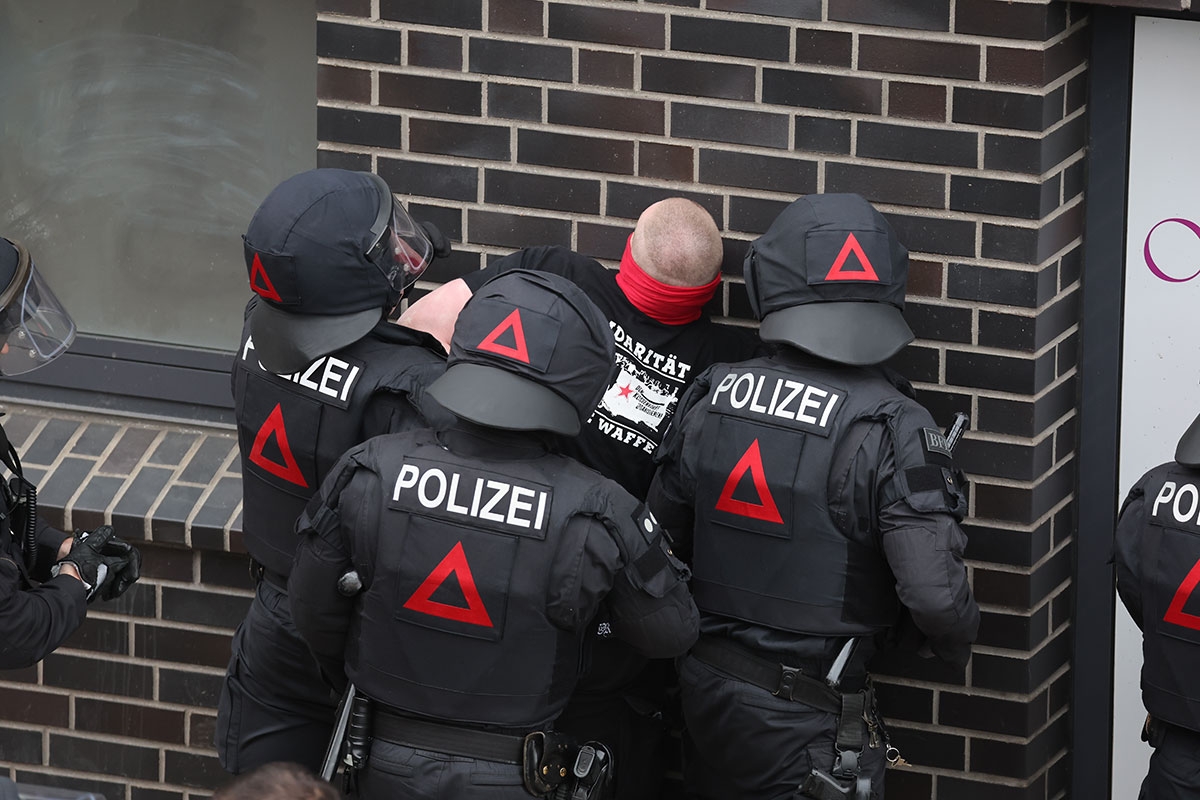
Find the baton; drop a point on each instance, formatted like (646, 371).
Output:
(333, 751)
(834, 678)
(957, 429)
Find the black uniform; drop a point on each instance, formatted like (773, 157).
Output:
(1158, 569)
(291, 429)
(621, 698)
(34, 621)
(821, 501)
(483, 559)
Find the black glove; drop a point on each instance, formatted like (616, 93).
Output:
(87, 556)
(125, 576)
(441, 245)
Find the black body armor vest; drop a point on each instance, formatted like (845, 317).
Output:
(768, 548)
(293, 428)
(480, 595)
(1169, 545)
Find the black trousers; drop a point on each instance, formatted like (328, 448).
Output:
(274, 704)
(747, 744)
(1174, 766)
(397, 770)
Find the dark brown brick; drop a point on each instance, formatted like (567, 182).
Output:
(939, 323)
(506, 101)
(823, 135)
(181, 646)
(125, 719)
(925, 278)
(574, 152)
(102, 676)
(35, 708)
(608, 26)
(930, 748)
(754, 171)
(350, 8)
(425, 93)
(203, 607)
(921, 145)
(516, 16)
(445, 13)
(1065, 56)
(917, 101)
(339, 159)
(132, 446)
(733, 125)
(202, 729)
(702, 78)
(821, 91)
(606, 68)
(104, 756)
(520, 59)
(665, 161)
(512, 230)
(103, 635)
(550, 192)
(20, 747)
(1000, 197)
(950, 237)
(458, 139)
(193, 769)
(1000, 18)
(904, 702)
(166, 563)
(590, 110)
(999, 109)
(434, 50)
(791, 9)
(628, 201)
(189, 688)
(1010, 717)
(727, 37)
(91, 785)
(602, 241)
(358, 43)
(349, 126)
(343, 83)
(927, 15)
(827, 48)
(1016, 66)
(883, 185)
(935, 59)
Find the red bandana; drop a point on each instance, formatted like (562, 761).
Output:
(670, 305)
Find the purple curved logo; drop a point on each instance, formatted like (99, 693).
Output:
(1187, 223)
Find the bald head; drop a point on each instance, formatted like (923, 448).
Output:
(677, 242)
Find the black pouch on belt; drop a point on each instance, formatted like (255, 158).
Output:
(548, 759)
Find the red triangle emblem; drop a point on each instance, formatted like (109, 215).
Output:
(454, 562)
(260, 282)
(517, 350)
(1175, 613)
(836, 273)
(765, 509)
(289, 470)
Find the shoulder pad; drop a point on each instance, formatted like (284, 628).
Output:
(925, 471)
(901, 383)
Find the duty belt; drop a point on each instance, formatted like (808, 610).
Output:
(779, 679)
(260, 573)
(392, 726)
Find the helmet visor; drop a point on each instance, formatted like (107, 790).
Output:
(402, 251)
(34, 327)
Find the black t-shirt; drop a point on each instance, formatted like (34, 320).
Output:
(656, 363)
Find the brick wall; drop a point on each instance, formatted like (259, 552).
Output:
(520, 122)
(515, 122)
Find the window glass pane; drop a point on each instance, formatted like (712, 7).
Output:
(136, 139)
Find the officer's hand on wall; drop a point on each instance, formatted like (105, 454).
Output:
(95, 569)
(441, 245)
(125, 576)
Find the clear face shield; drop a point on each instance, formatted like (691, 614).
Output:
(34, 327)
(400, 248)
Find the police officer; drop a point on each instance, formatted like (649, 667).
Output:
(655, 306)
(1157, 555)
(319, 368)
(47, 577)
(484, 557)
(815, 499)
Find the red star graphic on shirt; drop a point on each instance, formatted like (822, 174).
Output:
(625, 391)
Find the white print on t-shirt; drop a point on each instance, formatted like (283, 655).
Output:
(636, 399)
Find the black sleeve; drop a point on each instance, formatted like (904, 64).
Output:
(34, 622)
(49, 540)
(920, 503)
(320, 612)
(1127, 556)
(553, 258)
(650, 607)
